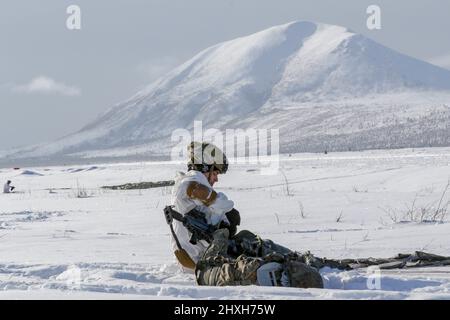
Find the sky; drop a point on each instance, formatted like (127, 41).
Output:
(54, 81)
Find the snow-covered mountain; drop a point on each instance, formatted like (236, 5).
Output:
(323, 86)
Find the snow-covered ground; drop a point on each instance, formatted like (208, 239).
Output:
(115, 244)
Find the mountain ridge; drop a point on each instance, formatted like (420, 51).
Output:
(301, 77)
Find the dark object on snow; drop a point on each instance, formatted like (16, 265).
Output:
(141, 185)
(415, 260)
(31, 173)
(8, 188)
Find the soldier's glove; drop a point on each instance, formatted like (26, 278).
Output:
(234, 218)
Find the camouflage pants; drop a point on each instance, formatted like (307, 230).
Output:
(216, 269)
(220, 267)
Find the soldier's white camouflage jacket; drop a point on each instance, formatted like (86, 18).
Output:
(192, 190)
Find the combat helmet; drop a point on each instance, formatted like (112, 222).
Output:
(206, 157)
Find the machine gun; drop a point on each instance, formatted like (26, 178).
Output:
(194, 221)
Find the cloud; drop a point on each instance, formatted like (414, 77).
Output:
(441, 61)
(158, 67)
(46, 85)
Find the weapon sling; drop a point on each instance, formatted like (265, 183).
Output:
(181, 254)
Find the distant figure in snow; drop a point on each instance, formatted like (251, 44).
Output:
(8, 188)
